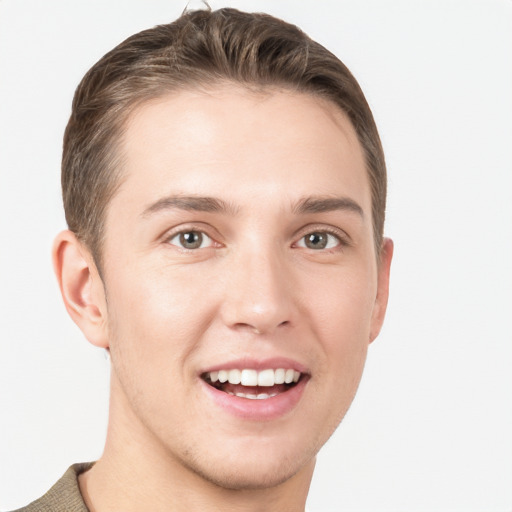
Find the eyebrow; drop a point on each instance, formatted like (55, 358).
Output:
(215, 205)
(189, 203)
(327, 204)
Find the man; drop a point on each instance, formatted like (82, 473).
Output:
(224, 187)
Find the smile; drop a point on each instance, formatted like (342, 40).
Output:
(253, 384)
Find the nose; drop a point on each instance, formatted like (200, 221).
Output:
(258, 293)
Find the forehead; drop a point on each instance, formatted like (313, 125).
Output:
(237, 143)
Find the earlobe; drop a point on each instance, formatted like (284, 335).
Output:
(381, 300)
(81, 287)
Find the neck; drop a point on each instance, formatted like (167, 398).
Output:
(137, 473)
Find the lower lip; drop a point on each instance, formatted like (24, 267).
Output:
(258, 409)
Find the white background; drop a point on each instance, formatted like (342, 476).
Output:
(431, 427)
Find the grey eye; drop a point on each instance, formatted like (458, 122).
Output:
(191, 240)
(319, 240)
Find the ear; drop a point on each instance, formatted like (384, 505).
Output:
(81, 287)
(381, 300)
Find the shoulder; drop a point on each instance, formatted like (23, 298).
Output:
(64, 496)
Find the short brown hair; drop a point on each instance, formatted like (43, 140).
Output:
(200, 48)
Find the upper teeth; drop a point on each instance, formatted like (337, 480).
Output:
(248, 377)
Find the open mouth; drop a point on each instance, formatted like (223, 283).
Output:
(253, 384)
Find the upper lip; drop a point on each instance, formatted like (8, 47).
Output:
(257, 364)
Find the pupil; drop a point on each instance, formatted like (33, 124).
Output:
(316, 241)
(191, 240)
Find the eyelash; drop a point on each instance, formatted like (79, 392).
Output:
(177, 235)
(341, 239)
(318, 235)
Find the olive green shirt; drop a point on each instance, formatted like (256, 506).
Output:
(64, 496)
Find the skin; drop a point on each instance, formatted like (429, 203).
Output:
(254, 290)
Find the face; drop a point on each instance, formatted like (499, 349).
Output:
(241, 281)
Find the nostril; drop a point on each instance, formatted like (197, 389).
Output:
(261, 328)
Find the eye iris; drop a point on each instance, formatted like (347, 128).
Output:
(316, 240)
(191, 240)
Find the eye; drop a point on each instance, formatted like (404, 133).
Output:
(319, 240)
(191, 240)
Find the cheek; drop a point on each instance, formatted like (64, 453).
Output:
(151, 340)
(343, 319)
(343, 307)
(154, 320)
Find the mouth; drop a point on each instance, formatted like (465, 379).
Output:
(254, 384)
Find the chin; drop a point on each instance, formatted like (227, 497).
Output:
(252, 468)
(247, 476)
